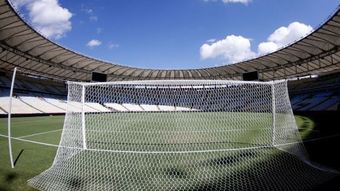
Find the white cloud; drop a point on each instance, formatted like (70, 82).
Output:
(85, 9)
(93, 18)
(232, 49)
(238, 48)
(284, 36)
(99, 30)
(267, 47)
(113, 45)
(90, 12)
(236, 1)
(19, 3)
(47, 16)
(211, 40)
(231, 1)
(93, 43)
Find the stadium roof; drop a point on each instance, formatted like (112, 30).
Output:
(23, 47)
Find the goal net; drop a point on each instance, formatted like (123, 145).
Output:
(178, 135)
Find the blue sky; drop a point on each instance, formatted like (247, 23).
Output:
(175, 34)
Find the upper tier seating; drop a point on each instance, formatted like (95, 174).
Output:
(34, 86)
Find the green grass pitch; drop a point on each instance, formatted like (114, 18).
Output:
(37, 158)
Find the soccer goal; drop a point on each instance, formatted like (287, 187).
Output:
(176, 135)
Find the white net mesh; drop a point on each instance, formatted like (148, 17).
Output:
(178, 135)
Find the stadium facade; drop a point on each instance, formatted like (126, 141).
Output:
(92, 115)
(25, 48)
(44, 66)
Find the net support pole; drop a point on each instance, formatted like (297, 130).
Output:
(10, 153)
(273, 112)
(83, 117)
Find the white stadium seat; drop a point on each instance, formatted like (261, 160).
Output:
(116, 106)
(58, 103)
(18, 107)
(98, 107)
(132, 107)
(149, 107)
(41, 105)
(166, 108)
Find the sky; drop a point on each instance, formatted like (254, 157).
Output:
(175, 34)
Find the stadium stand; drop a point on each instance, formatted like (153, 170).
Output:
(38, 63)
(116, 107)
(98, 107)
(44, 96)
(77, 107)
(144, 107)
(18, 107)
(33, 86)
(317, 53)
(41, 105)
(132, 107)
(183, 109)
(31, 95)
(167, 108)
(316, 94)
(149, 107)
(332, 103)
(43, 60)
(56, 102)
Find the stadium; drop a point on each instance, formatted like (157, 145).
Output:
(80, 123)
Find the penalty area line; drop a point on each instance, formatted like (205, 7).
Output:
(42, 133)
(172, 152)
(29, 141)
(321, 138)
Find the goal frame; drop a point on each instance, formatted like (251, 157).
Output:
(84, 85)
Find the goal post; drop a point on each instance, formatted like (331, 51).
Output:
(273, 111)
(9, 120)
(83, 117)
(173, 135)
(286, 135)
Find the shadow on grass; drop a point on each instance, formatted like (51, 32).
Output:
(20, 153)
(76, 183)
(10, 177)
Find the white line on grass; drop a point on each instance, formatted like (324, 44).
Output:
(35, 142)
(171, 152)
(34, 134)
(321, 138)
